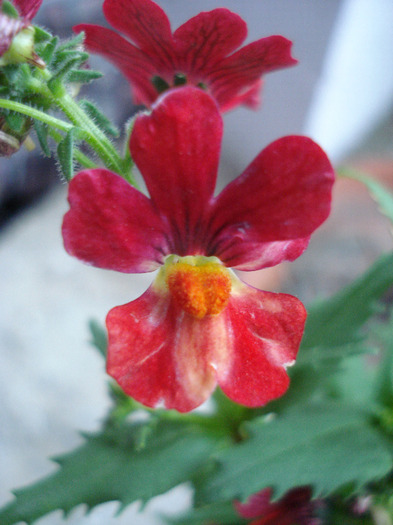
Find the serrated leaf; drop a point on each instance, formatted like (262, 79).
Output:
(41, 130)
(83, 76)
(99, 337)
(217, 513)
(99, 118)
(326, 445)
(338, 321)
(108, 468)
(65, 153)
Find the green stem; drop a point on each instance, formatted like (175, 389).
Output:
(35, 113)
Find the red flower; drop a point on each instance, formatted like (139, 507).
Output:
(294, 508)
(12, 28)
(198, 324)
(201, 52)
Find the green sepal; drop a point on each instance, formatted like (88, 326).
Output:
(99, 118)
(72, 43)
(9, 9)
(40, 35)
(49, 49)
(326, 445)
(65, 153)
(83, 76)
(41, 130)
(116, 465)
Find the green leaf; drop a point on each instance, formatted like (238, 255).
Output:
(326, 445)
(48, 51)
(41, 130)
(113, 466)
(83, 76)
(99, 118)
(65, 152)
(338, 321)
(16, 121)
(99, 337)
(40, 35)
(382, 196)
(383, 385)
(216, 513)
(8, 9)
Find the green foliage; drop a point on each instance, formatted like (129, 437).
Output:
(327, 445)
(41, 130)
(99, 337)
(216, 513)
(338, 322)
(121, 464)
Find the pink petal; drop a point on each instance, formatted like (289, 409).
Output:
(207, 38)
(112, 225)
(132, 62)
(239, 72)
(9, 28)
(266, 332)
(158, 354)
(284, 195)
(146, 24)
(27, 8)
(177, 148)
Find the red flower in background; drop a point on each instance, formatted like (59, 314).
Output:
(201, 52)
(198, 324)
(294, 508)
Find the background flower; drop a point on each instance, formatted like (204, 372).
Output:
(200, 52)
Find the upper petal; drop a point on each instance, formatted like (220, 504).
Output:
(177, 148)
(238, 73)
(207, 38)
(27, 8)
(266, 332)
(112, 225)
(135, 65)
(146, 24)
(284, 195)
(158, 354)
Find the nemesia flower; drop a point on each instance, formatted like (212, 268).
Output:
(17, 34)
(202, 52)
(294, 508)
(198, 324)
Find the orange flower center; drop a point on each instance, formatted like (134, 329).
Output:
(199, 285)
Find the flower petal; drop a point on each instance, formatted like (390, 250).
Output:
(177, 148)
(283, 195)
(266, 332)
(146, 24)
(112, 225)
(160, 355)
(207, 38)
(27, 8)
(132, 62)
(239, 72)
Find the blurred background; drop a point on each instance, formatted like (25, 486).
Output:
(52, 382)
